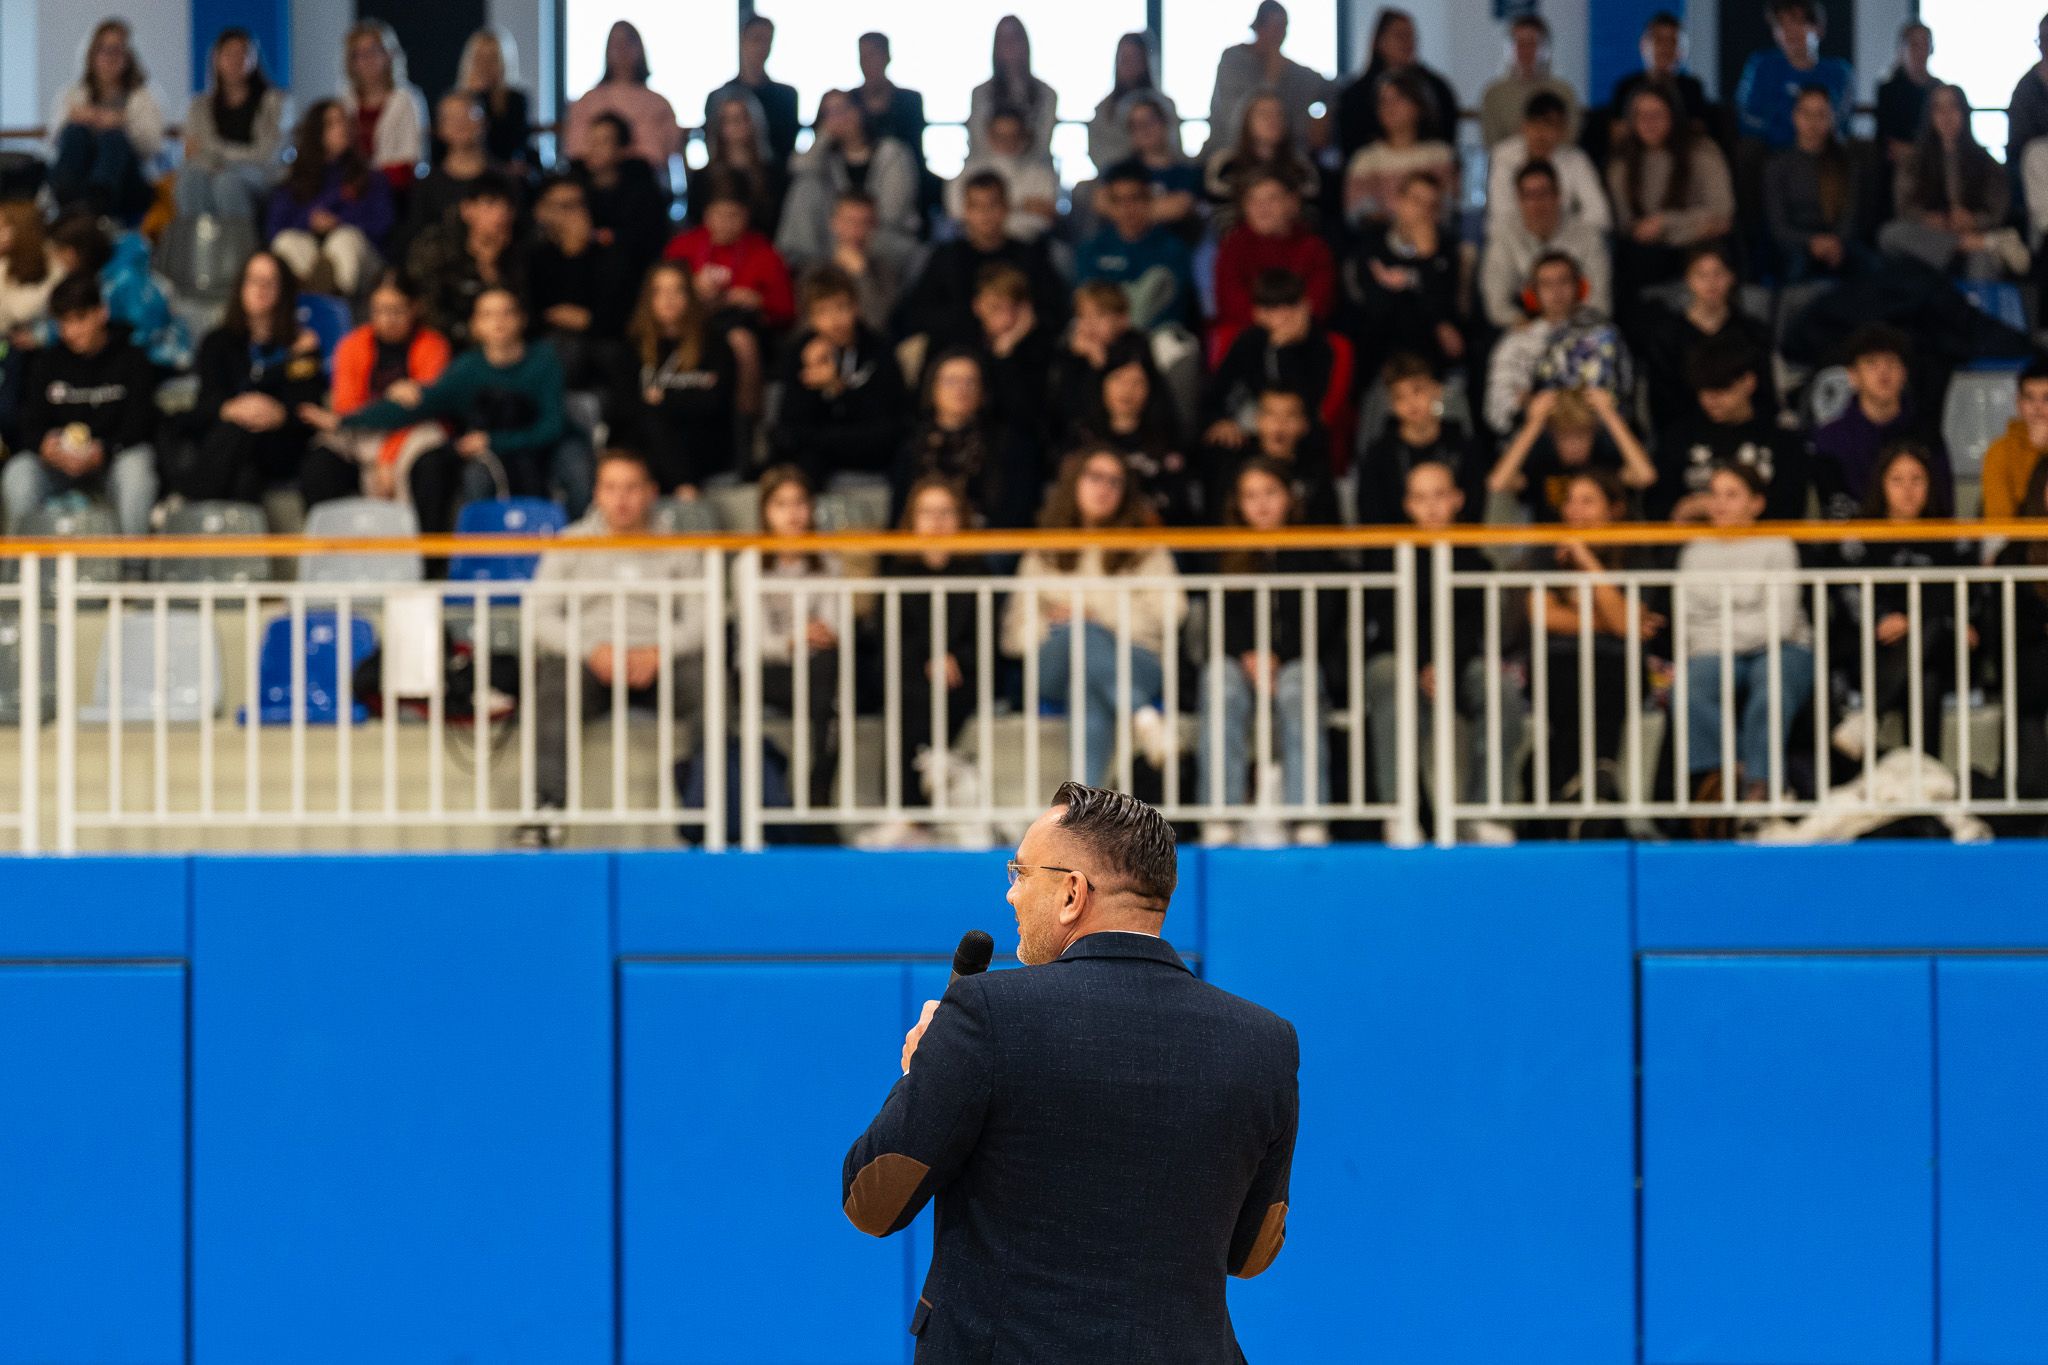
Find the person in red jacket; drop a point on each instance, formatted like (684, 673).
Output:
(1270, 236)
(395, 347)
(740, 277)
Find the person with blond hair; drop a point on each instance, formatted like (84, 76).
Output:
(388, 111)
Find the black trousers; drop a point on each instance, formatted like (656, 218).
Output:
(239, 465)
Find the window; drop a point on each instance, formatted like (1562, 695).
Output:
(1197, 31)
(1984, 46)
(691, 49)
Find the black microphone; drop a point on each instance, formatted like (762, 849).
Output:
(973, 955)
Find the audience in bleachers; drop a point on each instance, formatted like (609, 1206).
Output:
(1284, 330)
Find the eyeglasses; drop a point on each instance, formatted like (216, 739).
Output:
(1017, 870)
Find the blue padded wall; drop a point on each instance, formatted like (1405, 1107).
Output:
(92, 1164)
(402, 1110)
(1788, 1145)
(1463, 1184)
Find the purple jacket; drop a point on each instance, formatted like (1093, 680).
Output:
(370, 209)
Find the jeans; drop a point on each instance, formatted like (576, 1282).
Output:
(231, 191)
(1382, 678)
(26, 483)
(1098, 701)
(552, 720)
(99, 167)
(1239, 700)
(1754, 742)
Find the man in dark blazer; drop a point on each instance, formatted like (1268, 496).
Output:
(1107, 1136)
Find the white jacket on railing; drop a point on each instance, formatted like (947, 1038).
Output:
(1713, 563)
(637, 572)
(1153, 611)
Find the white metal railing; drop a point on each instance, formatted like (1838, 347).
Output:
(152, 718)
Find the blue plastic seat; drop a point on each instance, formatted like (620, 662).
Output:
(504, 517)
(323, 665)
(327, 318)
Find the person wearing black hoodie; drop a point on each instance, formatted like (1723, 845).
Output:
(1725, 375)
(941, 303)
(627, 206)
(1284, 348)
(673, 401)
(1285, 432)
(580, 292)
(842, 390)
(88, 416)
(957, 437)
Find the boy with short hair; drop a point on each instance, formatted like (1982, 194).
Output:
(1846, 451)
(1285, 347)
(1416, 435)
(1285, 432)
(1545, 136)
(1151, 262)
(1016, 350)
(479, 249)
(842, 392)
(1774, 77)
(1724, 373)
(1503, 103)
(1102, 315)
(2010, 461)
(876, 275)
(941, 302)
(1569, 341)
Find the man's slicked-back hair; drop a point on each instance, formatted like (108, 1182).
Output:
(1134, 840)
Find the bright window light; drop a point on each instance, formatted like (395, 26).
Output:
(690, 53)
(1984, 46)
(1197, 31)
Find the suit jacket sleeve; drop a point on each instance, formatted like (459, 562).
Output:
(931, 1121)
(1262, 1221)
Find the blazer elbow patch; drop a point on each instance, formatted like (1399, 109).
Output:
(1272, 1232)
(883, 1189)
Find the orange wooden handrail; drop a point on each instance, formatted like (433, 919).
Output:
(1012, 542)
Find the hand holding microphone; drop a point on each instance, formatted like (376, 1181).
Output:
(970, 958)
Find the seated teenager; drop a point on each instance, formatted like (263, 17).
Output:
(1778, 77)
(1149, 261)
(234, 132)
(1593, 499)
(2011, 461)
(1403, 283)
(1417, 434)
(578, 287)
(1264, 146)
(459, 127)
(481, 249)
(1176, 181)
(1378, 170)
(134, 297)
(1284, 347)
(1102, 316)
(1846, 451)
(608, 649)
(801, 630)
(1016, 351)
(1722, 612)
(1271, 673)
(741, 279)
(1096, 492)
(673, 403)
(331, 219)
(843, 399)
(1672, 191)
(628, 207)
(1285, 434)
(243, 435)
(848, 156)
(1270, 236)
(1902, 491)
(1432, 502)
(1728, 429)
(1565, 432)
(394, 348)
(1131, 414)
(88, 416)
(503, 400)
(1566, 342)
(950, 671)
(1506, 99)
(957, 437)
(1813, 198)
(941, 303)
(1544, 139)
(1952, 199)
(1668, 339)
(877, 276)
(1537, 229)
(105, 129)
(1031, 183)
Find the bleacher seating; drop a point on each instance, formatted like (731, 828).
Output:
(322, 645)
(192, 684)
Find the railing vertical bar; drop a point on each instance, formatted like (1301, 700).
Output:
(1632, 682)
(480, 704)
(160, 692)
(1033, 653)
(209, 663)
(345, 702)
(848, 747)
(1407, 820)
(1539, 706)
(299, 699)
(1444, 726)
(1169, 700)
(572, 708)
(252, 706)
(1587, 759)
(712, 745)
(529, 701)
(1681, 702)
(1728, 783)
(2009, 646)
(619, 703)
(1124, 697)
(1916, 689)
(1262, 697)
(1311, 664)
(117, 743)
(984, 687)
(1821, 689)
(1077, 689)
(67, 698)
(1218, 662)
(665, 699)
(1774, 697)
(800, 696)
(1964, 779)
(28, 618)
(939, 695)
(388, 728)
(1354, 670)
(1496, 761)
(747, 609)
(1867, 623)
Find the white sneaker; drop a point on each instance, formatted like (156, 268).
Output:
(545, 833)
(1264, 834)
(1149, 733)
(1400, 835)
(894, 834)
(1218, 833)
(1848, 735)
(971, 834)
(1488, 833)
(1311, 834)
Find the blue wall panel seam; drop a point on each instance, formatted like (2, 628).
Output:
(1934, 1136)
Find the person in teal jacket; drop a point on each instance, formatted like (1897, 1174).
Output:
(502, 401)
(133, 294)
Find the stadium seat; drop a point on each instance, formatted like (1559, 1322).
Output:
(182, 698)
(673, 516)
(1999, 299)
(69, 517)
(1828, 396)
(322, 663)
(361, 517)
(215, 519)
(504, 517)
(737, 505)
(327, 318)
(1980, 405)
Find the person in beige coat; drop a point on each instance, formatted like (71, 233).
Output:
(1048, 622)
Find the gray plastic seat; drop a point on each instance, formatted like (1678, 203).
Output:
(1981, 403)
(673, 516)
(182, 698)
(63, 521)
(361, 517)
(216, 519)
(736, 505)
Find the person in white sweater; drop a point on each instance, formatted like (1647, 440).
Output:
(579, 627)
(1033, 183)
(848, 155)
(1544, 138)
(388, 111)
(234, 134)
(1096, 492)
(106, 129)
(1726, 609)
